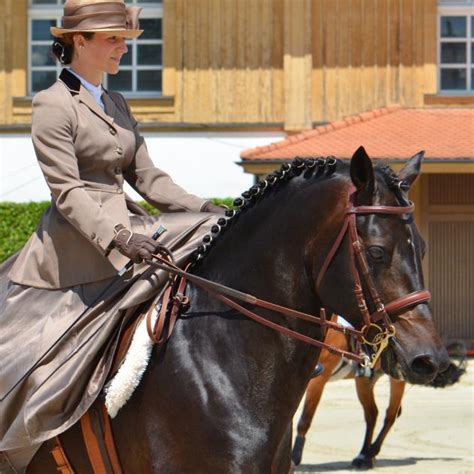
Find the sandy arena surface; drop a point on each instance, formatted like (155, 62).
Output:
(434, 434)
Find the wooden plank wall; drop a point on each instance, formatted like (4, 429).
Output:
(364, 54)
(451, 277)
(4, 76)
(13, 55)
(369, 53)
(449, 209)
(269, 61)
(231, 62)
(297, 65)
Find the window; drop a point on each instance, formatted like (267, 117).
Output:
(140, 70)
(456, 47)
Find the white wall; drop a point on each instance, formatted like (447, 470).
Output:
(203, 163)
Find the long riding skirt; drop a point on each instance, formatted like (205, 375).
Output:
(40, 400)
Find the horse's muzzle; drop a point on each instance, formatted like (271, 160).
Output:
(420, 368)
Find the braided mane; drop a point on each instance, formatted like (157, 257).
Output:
(308, 166)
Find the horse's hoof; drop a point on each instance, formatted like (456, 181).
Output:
(297, 452)
(363, 462)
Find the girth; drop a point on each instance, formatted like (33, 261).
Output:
(98, 440)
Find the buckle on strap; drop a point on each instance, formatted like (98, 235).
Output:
(181, 300)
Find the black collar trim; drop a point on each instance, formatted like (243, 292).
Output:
(71, 81)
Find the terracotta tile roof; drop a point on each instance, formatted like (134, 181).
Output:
(391, 132)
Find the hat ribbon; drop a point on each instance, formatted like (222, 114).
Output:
(88, 17)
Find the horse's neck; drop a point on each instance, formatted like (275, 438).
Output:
(263, 255)
(265, 251)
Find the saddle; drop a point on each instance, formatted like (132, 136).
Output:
(95, 424)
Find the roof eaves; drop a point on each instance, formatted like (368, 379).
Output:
(253, 153)
(392, 159)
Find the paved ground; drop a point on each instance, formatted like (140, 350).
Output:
(434, 435)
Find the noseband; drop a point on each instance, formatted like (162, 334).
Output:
(378, 328)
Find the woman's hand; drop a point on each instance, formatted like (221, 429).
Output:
(137, 247)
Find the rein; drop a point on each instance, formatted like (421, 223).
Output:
(224, 294)
(378, 328)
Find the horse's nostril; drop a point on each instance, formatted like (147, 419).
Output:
(425, 365)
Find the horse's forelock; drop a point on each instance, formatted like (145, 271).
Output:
(393, 183)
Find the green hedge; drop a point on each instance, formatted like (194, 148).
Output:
(18, 221)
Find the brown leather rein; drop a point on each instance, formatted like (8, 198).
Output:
(380, 334)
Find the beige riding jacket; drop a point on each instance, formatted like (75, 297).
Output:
(85, 155)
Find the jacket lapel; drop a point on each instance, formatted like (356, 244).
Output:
(77, 89)
(88, 100)
(109, 104)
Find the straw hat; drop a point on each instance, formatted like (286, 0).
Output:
(91, 16)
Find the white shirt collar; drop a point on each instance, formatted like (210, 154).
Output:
(95, 91)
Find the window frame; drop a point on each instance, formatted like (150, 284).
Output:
(54, 11)
(463, 9)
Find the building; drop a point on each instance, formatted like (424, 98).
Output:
(443, 195)
(212, 78)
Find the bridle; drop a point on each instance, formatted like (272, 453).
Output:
(378, 327)
(380, 332)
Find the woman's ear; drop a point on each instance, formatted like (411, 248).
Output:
(78, 41)
(362, 175)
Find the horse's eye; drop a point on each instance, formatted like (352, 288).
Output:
(377, 253)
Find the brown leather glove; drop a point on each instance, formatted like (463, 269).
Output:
(211, 207)
(137, 247)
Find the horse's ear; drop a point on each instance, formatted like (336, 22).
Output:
(362, 175)
(411, 170)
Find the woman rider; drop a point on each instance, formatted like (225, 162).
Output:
(87, 144)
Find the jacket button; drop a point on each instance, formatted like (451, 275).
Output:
(112, 131)
(119, 150)
(118, 170)
(99, 240)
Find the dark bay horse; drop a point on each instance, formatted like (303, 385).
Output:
(365, 392)
(219, 397)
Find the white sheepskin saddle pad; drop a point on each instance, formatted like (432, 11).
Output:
(121, 387)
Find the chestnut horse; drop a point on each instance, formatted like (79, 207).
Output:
(221, 394)
(335, 369)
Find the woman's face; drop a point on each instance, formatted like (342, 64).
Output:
(102, 53)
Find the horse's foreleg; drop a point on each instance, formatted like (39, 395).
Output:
(397, 387)
(282, 462)
(365, 392)
(311, 402)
